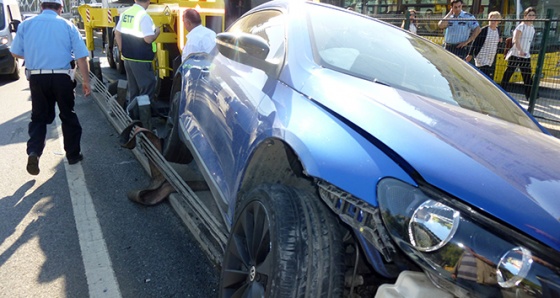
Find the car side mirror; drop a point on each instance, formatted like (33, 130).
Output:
(14, 25)
(245, 48)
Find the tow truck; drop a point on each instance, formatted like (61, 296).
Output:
(166, 14)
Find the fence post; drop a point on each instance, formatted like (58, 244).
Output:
(540, 62)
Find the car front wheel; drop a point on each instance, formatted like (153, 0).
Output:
(15, 75)
(284, 243)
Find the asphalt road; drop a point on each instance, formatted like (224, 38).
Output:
(72, 232)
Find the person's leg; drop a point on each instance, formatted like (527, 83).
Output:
(131, 77)
(487, 70)
(511, 66)
(42, 113)
(63, 88)
(525, 67)
(146, 80)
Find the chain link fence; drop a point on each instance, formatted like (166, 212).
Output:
(544, 102)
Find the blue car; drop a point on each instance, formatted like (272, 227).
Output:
(350, 158)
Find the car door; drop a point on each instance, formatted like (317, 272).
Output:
(223, 102)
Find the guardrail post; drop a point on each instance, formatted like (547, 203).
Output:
(95, 67)
(540, 62)
(145, 111)
(121, 92)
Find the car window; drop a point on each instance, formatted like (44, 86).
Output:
(269, 25)
(373, 50)
(2, 17)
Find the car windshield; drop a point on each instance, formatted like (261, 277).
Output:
(373, 50)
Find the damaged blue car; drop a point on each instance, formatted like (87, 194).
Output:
(349, 158)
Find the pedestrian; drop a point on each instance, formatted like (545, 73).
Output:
(461, 29)
(199, 38)
(135, 34)
(519, 55)
(485, 45)
(49, 44)
(413, 24)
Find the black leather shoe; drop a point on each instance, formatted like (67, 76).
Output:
(76, 159)
(33, 164)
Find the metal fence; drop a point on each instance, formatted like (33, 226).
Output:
(544, 102)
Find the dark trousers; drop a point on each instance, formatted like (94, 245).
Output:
(459, 52)
(487, 70)
(141, 79)
(524, 65)
(46, 91)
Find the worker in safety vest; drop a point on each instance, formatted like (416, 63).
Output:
(135, 34)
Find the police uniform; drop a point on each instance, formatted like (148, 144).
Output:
(459, 31)
(135, 24)
(49, 45)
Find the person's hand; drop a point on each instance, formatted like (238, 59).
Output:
(86, 88)
(462, 45)
(468, 58)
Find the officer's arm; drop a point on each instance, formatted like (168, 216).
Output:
(118, 39)
(83, 66)
(474, 34)
(152, 38)
(442, 24)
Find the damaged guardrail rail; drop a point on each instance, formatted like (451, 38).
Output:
(206, 229)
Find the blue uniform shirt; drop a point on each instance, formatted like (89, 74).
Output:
(48, 41)
(459, 31)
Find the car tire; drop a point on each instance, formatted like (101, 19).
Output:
(173, 148)
(284, 243)
(163, 85)
(119, 63)
(15, 75)
(109, 48)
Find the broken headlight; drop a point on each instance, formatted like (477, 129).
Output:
(462, 251)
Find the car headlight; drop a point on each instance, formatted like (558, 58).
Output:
(4, 41)
(462, 250)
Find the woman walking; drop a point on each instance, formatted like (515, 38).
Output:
(519, 55)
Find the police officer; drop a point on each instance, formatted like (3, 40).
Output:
(460, 32)
(135, 33)
(49, 44)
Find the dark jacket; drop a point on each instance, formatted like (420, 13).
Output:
(479, 41)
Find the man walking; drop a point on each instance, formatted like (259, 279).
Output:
(135, 33)
(49, 44)
(461, 29)
(199, 38)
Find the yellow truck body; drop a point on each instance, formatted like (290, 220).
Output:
(166, 14)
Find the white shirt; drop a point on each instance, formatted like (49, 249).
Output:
(488, 50)
(525, 42)
(412, 28)
(199, 39)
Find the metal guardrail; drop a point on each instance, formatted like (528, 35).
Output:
(207, 229)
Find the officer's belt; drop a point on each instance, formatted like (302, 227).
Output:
(48, 71)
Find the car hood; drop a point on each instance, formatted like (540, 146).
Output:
(508, 171)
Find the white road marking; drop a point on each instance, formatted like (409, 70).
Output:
(99, 270)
